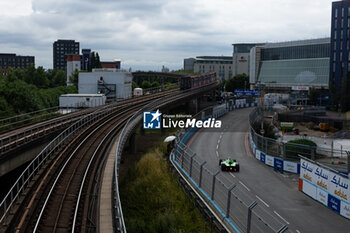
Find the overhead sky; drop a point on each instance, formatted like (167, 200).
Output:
(148, 34)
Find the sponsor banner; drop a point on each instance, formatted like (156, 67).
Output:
(339, 186)
(307, 171)
(345, 209)
(262, 157)
(335, 184)
(257, 154)
(334, 203)
(322, 196)
(290, 166)
(278, 164)
(269, 160)
(309, 189)
(322, 177)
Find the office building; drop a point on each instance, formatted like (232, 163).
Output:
(85, 59)
(293, 65)
(61, 48)
(12, 60)
(340, 42)
(241, 57)
(222, 65)
(189, 63)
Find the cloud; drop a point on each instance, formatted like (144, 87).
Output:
(149, 34)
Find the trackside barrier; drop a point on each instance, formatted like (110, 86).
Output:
(280, 155)
(325, 185)
(237, 206)
(131, 124)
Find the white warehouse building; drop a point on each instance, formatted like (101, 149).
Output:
(113, 83)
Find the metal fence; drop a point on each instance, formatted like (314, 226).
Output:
(123, 137)
(236, 205)
(289, 151)
(33, 168)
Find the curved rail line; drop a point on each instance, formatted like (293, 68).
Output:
(57, 201)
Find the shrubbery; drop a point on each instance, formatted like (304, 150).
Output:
(153, 202)
(303, 147)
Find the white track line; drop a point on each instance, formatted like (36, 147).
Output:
(217, 154)
(281, 217)
(244, 186)
(217, 146)
(298, 231)
(232, 175)
(262, 201)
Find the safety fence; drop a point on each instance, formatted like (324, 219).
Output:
(129, 127)
(238, 207)
(39, 161)
(284, 156)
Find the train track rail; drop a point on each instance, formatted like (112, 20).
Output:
(55, 203)
(60, 195)
(12, 140)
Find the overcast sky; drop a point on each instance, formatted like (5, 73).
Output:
(148, 34)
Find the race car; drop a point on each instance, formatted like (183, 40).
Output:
(229, 165)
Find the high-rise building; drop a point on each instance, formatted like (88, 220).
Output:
(85, 59)
(340, 42)
(8, 60)
(61, 48)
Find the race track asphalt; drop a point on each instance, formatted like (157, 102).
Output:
(277, 193)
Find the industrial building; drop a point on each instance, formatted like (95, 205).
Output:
(293, 65)
(111, 64)
(76, 101)
(60, 49)
(11, 60)
(111, 82)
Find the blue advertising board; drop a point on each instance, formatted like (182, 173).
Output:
(278, 164)
(334, 203)
(262, 157)
(246, 92)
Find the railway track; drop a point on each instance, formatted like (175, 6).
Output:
(62, 196)
(19, 137)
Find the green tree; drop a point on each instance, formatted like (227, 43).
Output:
(134, 85)
(155, 84)
(59, 78)
(98, 62)
(239, 81)
(145, 84)
(36, 76)
(74, 78)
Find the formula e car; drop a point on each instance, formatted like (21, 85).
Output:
(229, 165)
